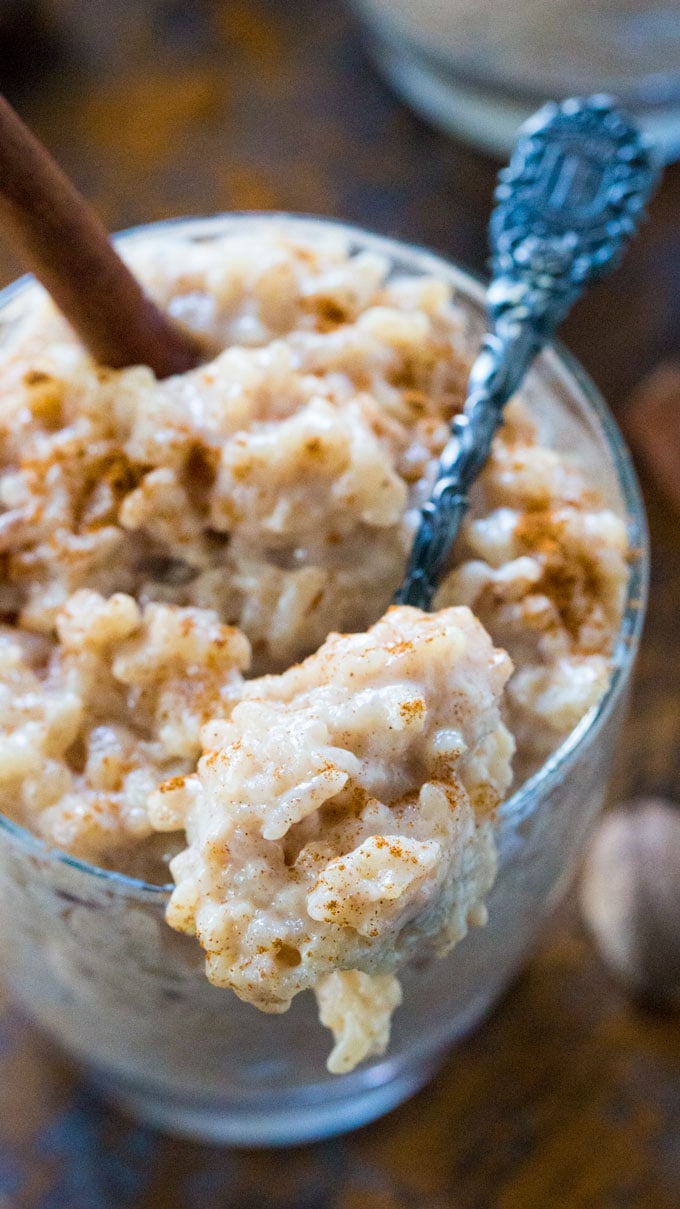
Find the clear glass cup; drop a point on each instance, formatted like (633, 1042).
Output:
(89, 956)
(478, 68)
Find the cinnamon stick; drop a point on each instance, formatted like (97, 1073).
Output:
(62, 241)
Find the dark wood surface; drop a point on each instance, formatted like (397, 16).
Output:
(569, 1097)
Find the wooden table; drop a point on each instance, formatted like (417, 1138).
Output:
(568, 1098)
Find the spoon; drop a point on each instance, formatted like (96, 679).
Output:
(572, 196)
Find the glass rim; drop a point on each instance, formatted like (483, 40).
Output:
(562, 365)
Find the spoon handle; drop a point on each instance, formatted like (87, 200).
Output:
(573, 194)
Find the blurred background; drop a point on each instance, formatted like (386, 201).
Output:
(569, 1097)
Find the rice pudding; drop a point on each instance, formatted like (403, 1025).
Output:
(161, 541)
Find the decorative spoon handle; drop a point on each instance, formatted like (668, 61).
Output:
(573, 194)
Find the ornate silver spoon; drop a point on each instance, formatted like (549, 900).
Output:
(573, 195)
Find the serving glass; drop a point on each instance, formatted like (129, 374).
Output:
(89, 956)
(479, 68)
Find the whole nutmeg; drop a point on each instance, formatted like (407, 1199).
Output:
(630, 897)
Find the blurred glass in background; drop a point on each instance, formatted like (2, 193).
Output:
(478, 68)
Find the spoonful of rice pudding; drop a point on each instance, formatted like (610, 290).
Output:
(342, 819)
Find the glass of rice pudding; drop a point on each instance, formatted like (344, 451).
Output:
(251, 814)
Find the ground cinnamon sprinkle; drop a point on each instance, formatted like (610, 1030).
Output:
(539, 531)
(171, 785)
(569, 578)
